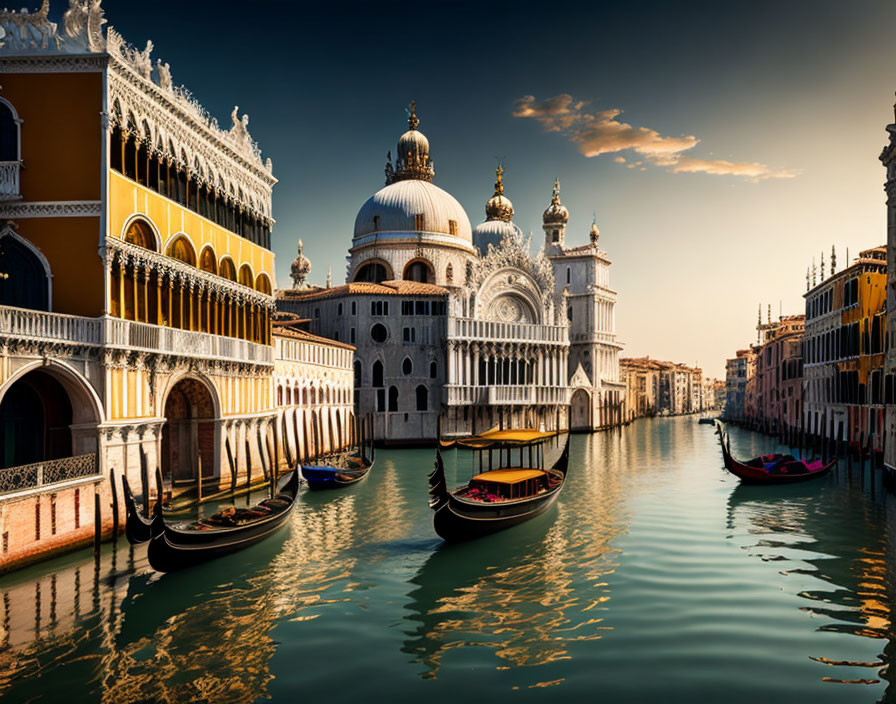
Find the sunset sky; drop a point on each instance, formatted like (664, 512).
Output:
(721, 145)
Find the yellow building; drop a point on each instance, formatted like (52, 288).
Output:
(135, 281)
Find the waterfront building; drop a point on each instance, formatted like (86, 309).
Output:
(582, 276)
(456, 330)
(137, 282)
(642, 387)
(738, 371)
(888, 159)
(779, 375)
(843, 354)
(314, 387)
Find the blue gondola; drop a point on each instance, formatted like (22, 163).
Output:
(342, 469)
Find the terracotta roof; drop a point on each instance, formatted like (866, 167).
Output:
(290, 333)
(386, 288)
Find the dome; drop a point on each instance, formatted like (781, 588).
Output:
(492, 232)
(399, 206)
(556, 213)
(413, 146)
(412, 158)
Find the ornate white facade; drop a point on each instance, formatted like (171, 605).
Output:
(582, 275)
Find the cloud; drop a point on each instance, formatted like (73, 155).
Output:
(602, 132)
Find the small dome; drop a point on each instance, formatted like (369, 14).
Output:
(412, 159)
(413, 206)
(499, 206)
(300, 269)
(556, 213)
(413, 146)
(493, 232)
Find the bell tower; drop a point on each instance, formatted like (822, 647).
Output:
(554, 223)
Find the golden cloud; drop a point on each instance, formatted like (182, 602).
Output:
(601, 132)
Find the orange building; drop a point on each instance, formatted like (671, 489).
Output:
(135, 281)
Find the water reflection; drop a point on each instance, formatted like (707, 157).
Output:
(827, 537)
(528, 593)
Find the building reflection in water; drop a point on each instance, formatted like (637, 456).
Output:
(132, 635)
(837, 540)
(528, 593)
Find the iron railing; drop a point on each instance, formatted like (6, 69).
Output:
(49, 472)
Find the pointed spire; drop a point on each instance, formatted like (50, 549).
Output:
(595, 233)
(769, 312)
(412, 118)
(759, 317)
(330, 276)
(555, 197)
(833, 260)
(813, 272)
(821, 272)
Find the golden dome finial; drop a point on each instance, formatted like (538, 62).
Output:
(499, 183)
(555, 198)
(412, 118)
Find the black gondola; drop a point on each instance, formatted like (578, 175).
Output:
(343, 468)
(137, 529)
(521, 493)
(176, 546)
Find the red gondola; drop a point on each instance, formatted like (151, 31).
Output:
(774, 469)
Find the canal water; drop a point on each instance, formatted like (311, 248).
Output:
(655, 577)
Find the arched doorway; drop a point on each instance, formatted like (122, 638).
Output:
(580, 410)
(189, 433)
(25, 280)
(36, 415)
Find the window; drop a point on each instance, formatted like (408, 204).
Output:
(393, 399)
(419, 222)
(381, 400)
(452, 227)
(433, 369)
(372, 272)
(377, 374)
(357, 369)
(339, 310)
(354, 307)
(449, 274)
(9, 136)
(379, 307)
(422, 398)
(376, 222)
(407, 307)
(567, 274)
(409, 335)
(555, 235)
(379, 333)
(419, 271)
(407, 366)
(352, 335)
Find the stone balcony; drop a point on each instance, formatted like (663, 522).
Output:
(40, 326)
(9, 180)
(496, 331)
(510, 395)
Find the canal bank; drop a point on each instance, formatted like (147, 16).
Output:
(656, 577)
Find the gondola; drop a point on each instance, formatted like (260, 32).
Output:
(137, 528)
(173, 547)
(343, 469)
(773, 469)
(498, 498)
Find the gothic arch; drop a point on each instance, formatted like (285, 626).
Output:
(41, 260)
(178, 246)
(10, 146)
(153, 230)
(87, 406)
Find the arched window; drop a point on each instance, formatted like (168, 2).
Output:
(567, 274)
(377, 374)
(246, 277)
(226, 269)
(207, 260)
(26, 277)
(9, 134)
(182, 249)
(357, 369)
(372, 272)
(263, 284)
(433, 370)
(419, 271)
(393, 399)
(449, 274)
(422, 398)
(140, 233)
(407, 366)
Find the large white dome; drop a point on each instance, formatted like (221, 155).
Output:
(492, 232)
(395, 208)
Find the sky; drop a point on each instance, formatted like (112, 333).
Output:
(721, 146)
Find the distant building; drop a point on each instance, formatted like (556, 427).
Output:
(656, 387)
(844, 349)
(738, 371)
(888, 159)
(779, 375)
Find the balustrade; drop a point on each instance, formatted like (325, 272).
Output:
(507, 395)
(48, 473)
(9, 179)
(493, 330)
